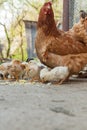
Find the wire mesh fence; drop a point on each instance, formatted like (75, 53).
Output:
(74, 7)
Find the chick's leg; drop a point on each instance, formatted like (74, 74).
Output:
(16, 77)
(5, 76)
(62, 80)
(34, 79)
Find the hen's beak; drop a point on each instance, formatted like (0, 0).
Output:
(48, 7)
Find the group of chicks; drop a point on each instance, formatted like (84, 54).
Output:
(32, 70)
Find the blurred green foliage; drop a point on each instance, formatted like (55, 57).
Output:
(20, 10)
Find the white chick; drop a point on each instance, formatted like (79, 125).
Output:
(38, 63)
(33, 71)
(57, 74)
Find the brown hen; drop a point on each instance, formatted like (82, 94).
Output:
(51, 40)
(55, 47)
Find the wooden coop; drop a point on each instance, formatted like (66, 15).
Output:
(71, 10)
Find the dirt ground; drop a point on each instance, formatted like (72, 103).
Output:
(37, 106)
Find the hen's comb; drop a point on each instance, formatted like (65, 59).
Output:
(50, 2)
(47, 3)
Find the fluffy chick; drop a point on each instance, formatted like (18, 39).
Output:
(57, 74)
(16, 62)
(33, 71)
(4, 70)
(16, 71)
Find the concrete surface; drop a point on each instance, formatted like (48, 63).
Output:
(36, 106)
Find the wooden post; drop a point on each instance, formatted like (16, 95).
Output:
(30, 28)
(65, 15)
